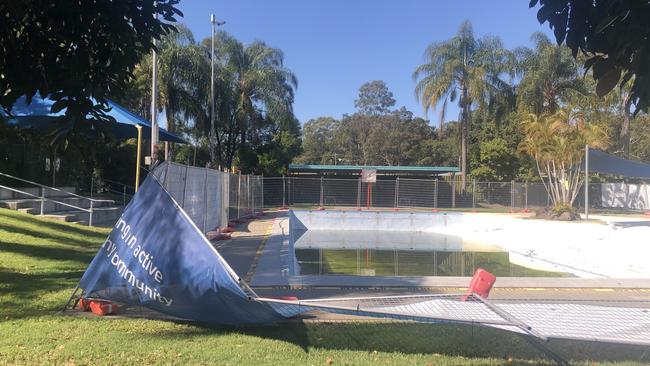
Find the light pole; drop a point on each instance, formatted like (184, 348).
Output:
(211, 136)
(154, 108)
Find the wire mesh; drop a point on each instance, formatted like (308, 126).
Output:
(210, 197)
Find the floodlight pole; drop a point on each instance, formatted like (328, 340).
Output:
(154, 108)
(587, 182)
(211, 135)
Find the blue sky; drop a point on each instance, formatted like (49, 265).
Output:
(334, 46)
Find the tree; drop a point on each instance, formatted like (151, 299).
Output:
(465, 69)
(556, 142)
(183, 77)
(497, 162)
(260, 85)
(75, 50)
(613, 34)
(374, 98)
(318, 141)
(549, 74)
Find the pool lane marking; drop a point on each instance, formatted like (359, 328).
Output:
(251, 271)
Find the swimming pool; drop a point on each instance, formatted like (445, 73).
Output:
(350, 248)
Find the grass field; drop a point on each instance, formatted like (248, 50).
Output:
(41, 262)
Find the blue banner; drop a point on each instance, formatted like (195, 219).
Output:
(156, 257)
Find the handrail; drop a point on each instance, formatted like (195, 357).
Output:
(45, 198)
(119, 183)
(53, 188)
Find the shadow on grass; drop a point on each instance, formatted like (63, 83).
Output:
(53, 224)
(413, 338)
(48, 253)
(92, 237)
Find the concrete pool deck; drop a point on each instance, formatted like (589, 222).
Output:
(590, 259)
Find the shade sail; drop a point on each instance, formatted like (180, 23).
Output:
(37, 115)
(601, 162)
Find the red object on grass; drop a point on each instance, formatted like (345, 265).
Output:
(103, 307)
(481, 284)
(83, 304)
(434, 210)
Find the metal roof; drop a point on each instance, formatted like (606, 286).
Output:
(378, 168)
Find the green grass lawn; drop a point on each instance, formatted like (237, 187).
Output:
(41, 262)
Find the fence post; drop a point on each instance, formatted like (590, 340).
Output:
(42, 200)
(90, 215)
(284, 191)
(453, 191)
(526, 196)
(322, 181)
(435, 193)
(359, 195)
(238, 193)
(512, 195)
(397, 193)
(474, 193)
(205, 198)
(92, 183)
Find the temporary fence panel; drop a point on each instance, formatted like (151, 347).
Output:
(209, 197)
(428, 194)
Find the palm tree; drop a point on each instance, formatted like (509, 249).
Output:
(556, 142)
(259, 85)
(183, 73)
(465, 69)
(549, 73)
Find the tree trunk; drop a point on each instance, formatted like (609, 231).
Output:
(464, 132)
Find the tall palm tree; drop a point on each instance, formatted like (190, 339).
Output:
(463, 69)
(549, 73)
(261, 82)
(183, 73)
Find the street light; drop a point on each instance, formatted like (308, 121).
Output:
(215, 23)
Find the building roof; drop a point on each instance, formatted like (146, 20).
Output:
(306, 168)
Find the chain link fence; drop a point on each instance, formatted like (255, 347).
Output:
(209, 197)
(444, 194)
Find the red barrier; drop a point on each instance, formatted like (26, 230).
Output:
(103, 307)
(481, 284)
(83, 304)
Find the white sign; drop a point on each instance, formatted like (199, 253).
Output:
(368, 175)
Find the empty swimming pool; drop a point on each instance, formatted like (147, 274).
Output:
(385, 253)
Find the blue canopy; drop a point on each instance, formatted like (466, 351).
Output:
(601, 162)
(38, 115)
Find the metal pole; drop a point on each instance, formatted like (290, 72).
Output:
(474, 193)
(211, 135)
(205, 199)
(238, 193)
(284, 191)
(137, 158)
(512, 195)
(526, 196)
(397, 193)
(42, 200)
(586, 182)
(154, 108)
(435, 193)
(90, 216)
(215, 23)
(322, 181)
(359, 195)
(453, 190)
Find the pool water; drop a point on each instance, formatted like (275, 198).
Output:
(384, 253)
